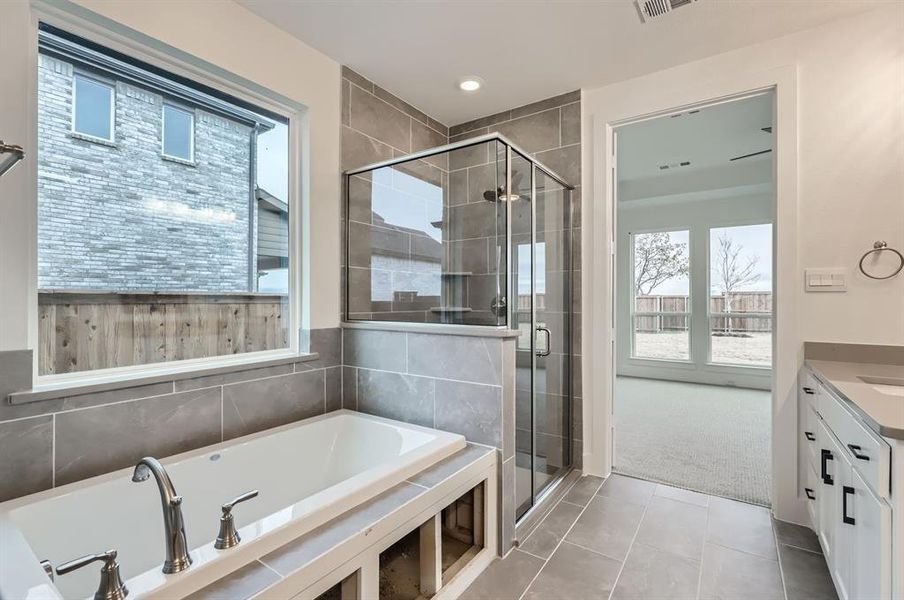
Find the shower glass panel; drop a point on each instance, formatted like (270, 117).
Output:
(552, 323)
(476, 233)
(426, 239)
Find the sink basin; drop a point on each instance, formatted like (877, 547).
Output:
(890, 386)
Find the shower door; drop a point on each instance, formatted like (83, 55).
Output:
(542, 239)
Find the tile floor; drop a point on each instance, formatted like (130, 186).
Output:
(629, 538)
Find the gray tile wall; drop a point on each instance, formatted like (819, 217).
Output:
(377, 125)
(55, 442)
(550, 130)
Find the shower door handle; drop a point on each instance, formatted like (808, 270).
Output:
(548, 342)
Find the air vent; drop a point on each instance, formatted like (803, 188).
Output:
(683, 163)
(651, 9)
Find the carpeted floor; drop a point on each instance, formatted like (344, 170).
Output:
(705, 438)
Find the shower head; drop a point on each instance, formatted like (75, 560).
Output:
(499, 194)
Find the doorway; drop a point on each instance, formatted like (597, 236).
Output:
(694, 299)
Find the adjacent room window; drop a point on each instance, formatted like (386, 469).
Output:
(178, 133)
(740, 307)
(139, 262)
(93, 104)
(661, 308)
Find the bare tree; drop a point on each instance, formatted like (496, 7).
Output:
(732, 271)
(656, 260)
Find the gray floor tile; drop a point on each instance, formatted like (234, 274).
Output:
(741, 526)
(583, 490)
(806, 575)
(574, 573)
(628, 489)
(731, 575)
(607, 526)
(543, 541)
(505, 579)
(682, 495)
(673, 526)
(652, 573)
(796, 535)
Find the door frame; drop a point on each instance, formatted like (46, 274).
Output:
(605, 112)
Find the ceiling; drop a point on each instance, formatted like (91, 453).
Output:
(707, 139)
(527, 50)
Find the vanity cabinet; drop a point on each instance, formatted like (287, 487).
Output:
(846, 481)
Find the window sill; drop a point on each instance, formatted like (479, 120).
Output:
(180, 161)
(115, 381)
(94, 140)
(434, 328)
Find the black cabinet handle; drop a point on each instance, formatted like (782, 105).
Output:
(855, 450)
(810, 494)
(809, 435)
(809, 390)
(826, 455)
(845, 490)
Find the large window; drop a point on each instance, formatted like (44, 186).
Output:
(740, 306)
(661, 301)
(142, 260)
(178, 133)
(92, 107)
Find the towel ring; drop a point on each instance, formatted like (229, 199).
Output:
(878, 248)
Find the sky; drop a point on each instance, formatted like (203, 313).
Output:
(755, 240)
(273, 161)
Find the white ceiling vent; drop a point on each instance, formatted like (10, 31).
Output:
(651, 9)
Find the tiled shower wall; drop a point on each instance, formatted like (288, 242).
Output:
(54, 442)
(550, 130)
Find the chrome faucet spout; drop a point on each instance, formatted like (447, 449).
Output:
(177, 557)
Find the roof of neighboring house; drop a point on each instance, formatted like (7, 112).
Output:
(85, 53)
(270, 201)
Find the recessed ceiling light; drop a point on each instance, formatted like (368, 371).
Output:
(470, 84)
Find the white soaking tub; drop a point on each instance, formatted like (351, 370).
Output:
(307, 473)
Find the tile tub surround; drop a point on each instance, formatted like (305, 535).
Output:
(462, 384)
(628, 538)
(54, 442)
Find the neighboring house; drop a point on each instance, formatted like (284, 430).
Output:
(145, 184)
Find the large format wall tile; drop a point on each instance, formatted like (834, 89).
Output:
(258, 405)
(376, 118)
(474, 359)
(99, 440)
(396, 396)
(26, 456)
(473, 410)
(327, 342)
(536, 132)
(384, 350)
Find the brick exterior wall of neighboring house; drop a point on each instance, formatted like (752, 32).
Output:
(120, 217)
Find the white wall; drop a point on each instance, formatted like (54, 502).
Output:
(222, 34)
(842, 93)
(696, 213)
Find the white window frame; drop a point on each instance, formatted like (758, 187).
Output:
(197, 70)
(191, 141)
(632, 310)
(109, 85)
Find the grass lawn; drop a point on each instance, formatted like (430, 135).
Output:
(753, 350)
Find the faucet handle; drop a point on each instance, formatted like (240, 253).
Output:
(111, 586)
(228, 536)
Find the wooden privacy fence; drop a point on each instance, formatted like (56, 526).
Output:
(81, 331)
(757, 303)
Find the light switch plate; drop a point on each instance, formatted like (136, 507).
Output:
(825, 280)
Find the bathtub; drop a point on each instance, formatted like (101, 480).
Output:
(307, 472)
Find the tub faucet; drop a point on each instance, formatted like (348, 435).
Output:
(177, 558)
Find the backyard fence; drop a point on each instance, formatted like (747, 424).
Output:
(759, 304)
(80, 331)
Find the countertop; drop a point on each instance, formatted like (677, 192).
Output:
(881, 411)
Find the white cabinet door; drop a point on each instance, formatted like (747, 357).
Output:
(826, 496)
(842, 565)
(871, 543)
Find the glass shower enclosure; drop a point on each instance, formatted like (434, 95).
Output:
(476, 233)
